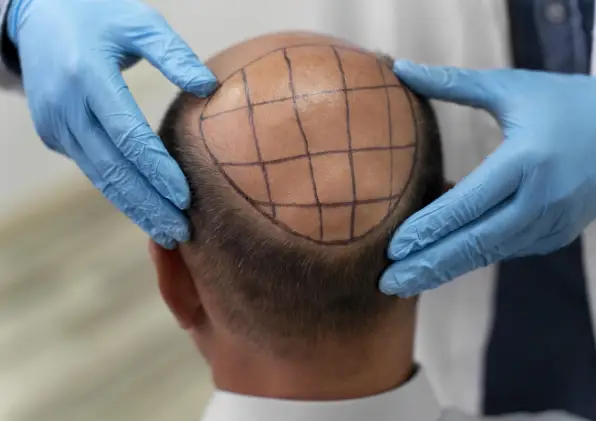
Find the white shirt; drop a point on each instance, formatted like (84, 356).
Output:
(414, 401)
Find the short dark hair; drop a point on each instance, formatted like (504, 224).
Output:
(272, 285)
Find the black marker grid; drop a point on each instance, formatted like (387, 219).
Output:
(392, 199)
(390, 122)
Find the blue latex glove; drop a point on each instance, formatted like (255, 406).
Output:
(71, 54)
(534, 194)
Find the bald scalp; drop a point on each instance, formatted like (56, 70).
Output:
(301, 165)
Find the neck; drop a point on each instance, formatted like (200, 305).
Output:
(365, 367)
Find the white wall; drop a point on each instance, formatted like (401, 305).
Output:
(29, 172)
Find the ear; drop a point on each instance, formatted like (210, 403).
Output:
(176, 285)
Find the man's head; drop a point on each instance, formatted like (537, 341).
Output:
(301, 165)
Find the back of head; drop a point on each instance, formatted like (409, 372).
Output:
(301, 165)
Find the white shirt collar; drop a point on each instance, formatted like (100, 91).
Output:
(414, 401)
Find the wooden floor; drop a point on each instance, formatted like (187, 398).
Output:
(84, 335)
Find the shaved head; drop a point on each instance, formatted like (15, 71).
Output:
(301, 165)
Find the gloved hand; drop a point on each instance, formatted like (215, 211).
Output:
(536, 193)
(71, 54)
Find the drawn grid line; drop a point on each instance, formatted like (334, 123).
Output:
(349, 132)
(416, 140)
(388, 99)
(306, 145)
(327, 204)
(256, 203)
(301, 96)
(314, 154)
(251, 121)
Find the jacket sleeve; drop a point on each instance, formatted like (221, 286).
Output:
(10, 69)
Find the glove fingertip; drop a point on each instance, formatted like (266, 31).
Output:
(178, 229)
(166, 242)
(182, 235)
(399, 249)
(171, 236)
(181, 197)
(404, 67)
(391, 285)
(178, 194)
(410, 73)
(403, 244)
(202, 84)
(387, 284)
(170, 181)
(172, 224)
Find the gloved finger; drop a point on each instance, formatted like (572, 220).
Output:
(495, 180)
(121, 118)
(124, 186)
(475, 88)
(167, 51)
(491, 238)
(75, 152)
(53, 145)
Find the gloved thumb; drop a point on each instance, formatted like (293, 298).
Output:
(168, 52)
(473, 88)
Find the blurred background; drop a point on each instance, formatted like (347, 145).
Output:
(83, 332)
